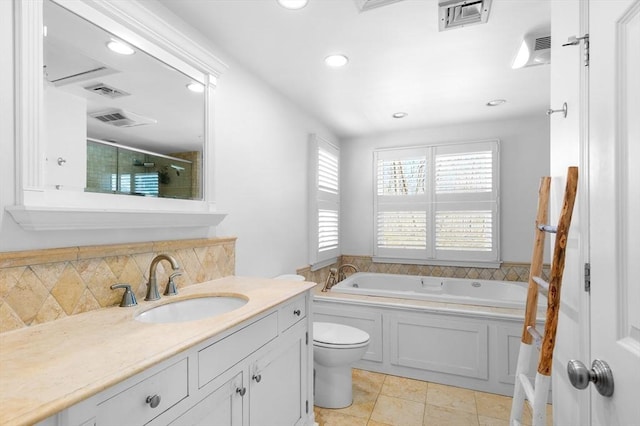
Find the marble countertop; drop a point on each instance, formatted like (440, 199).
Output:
(49, 367)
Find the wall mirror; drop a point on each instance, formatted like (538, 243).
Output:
(143, 118)
(97, 123)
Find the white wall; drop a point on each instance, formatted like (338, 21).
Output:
(524, 144)
(260, 172)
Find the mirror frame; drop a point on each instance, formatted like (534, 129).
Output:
(44, 207)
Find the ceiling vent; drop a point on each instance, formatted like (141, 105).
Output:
(105, 90)
(121, 118)
(458, 14)
(365, 5)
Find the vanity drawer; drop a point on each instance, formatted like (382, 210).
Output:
(292, 312)
(131, 407)
(221, 355)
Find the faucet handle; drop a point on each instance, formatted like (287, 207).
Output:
(172, 289)
(128, 298)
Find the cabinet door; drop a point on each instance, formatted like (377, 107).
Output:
(278, 384)
(222, 407)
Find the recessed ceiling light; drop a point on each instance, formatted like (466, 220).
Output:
(195, 87)
(336, 61)
(293, 4)
(496, 102)
(399, 114)
(121, 48)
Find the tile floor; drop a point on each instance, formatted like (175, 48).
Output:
(384, 400)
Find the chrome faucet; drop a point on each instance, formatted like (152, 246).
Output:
(152, 285)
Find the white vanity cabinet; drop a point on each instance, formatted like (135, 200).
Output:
(257, 373)
(223, 406)
(278, 381)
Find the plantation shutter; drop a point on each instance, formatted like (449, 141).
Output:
(466, 202)
(147, 184)
(324, 206)
(438, 203)
(401, 203)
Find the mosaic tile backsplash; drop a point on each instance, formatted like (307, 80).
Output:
(45, 285)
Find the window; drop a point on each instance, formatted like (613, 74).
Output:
(143, 183)
(438, 203)
(324, 202)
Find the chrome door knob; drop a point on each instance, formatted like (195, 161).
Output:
(600, 374)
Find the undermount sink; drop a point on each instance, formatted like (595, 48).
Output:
(191, 309)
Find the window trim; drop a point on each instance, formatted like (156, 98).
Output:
(430, 203)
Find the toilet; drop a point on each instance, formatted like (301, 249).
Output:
(335, 348)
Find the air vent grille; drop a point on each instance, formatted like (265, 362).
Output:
(542, 43)
(110, 117)
(121, 118)
(458, 14)
(105, 90)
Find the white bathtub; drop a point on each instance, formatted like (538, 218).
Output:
(453, 343)
(502, 294)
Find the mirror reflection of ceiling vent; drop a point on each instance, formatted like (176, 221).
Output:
(105, 90)
(121, 118)
(364, 5)
(458, 14)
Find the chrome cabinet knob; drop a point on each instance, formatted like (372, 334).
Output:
(241, 391)
(257, 377)
(297, 312)
(600, 374)
(153, 401)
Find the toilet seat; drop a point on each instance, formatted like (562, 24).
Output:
(338, 336)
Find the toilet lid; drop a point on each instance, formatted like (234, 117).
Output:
(338, 334)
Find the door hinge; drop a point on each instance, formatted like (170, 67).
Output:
(306, 338)
(587, 277)
(573, 41)
(306, 406)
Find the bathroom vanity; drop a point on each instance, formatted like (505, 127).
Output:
(252, 365)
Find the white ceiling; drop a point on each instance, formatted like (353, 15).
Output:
(399, 61)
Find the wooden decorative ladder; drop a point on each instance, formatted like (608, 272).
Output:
(537, 394)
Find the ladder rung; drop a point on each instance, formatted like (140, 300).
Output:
(543, 286)
(552, 229)
(537, 337)
(527, 386)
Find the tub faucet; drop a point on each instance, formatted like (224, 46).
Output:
(338, 274)
(152, 285)
(341, 271)
(332, 279)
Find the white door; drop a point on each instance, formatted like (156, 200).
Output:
(614, 144)
(568, 147)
